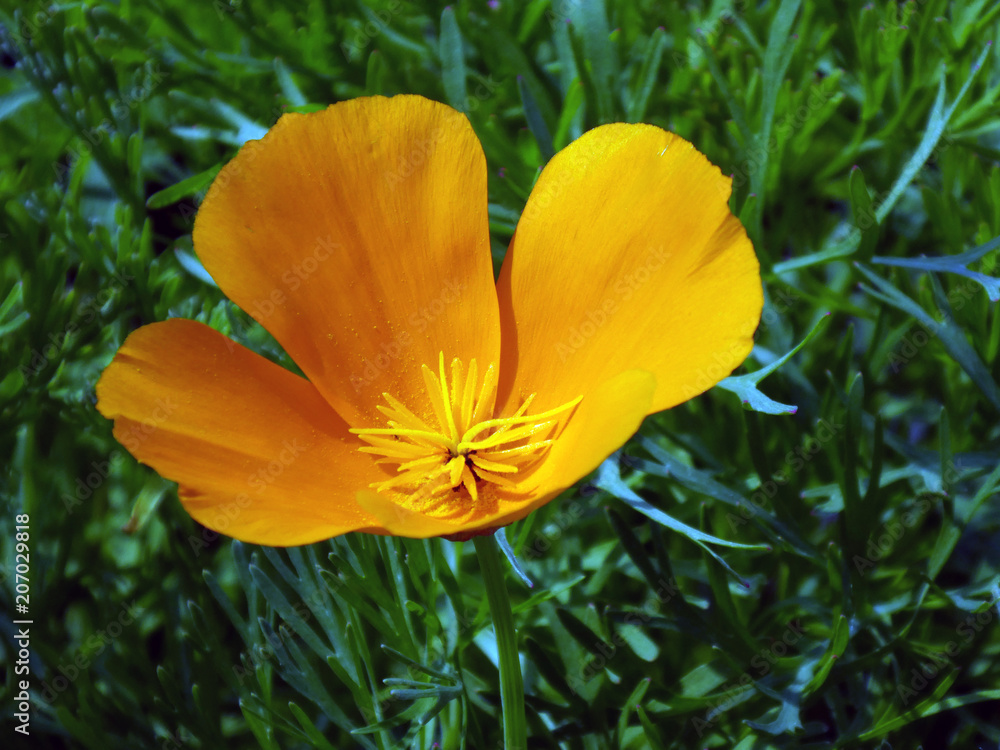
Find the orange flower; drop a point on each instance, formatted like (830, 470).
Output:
(434, 401)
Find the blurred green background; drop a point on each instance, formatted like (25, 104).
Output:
(864, 141)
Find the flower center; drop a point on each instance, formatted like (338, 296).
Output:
(462, 451)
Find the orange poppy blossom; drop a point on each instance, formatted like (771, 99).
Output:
(435, 401)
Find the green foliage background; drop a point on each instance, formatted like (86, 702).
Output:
(735, 578)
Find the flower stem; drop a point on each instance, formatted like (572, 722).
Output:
(511, 687)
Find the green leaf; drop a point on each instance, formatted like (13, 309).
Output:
(928, 707)
(777, 57)
(590, 21)
(957, 264)
(145, 503)
(536, 123)
(699, 481)
(630, 705)
(939, 119)
(15, 322)
(650, 731)
(280, 599)
(736, 108)
(745, 386)
(501, 537)
(835, 650)
(194, 267)
(951, 532)
(936, 124)
(571, 109)
(187, 187)
(648, 76)
(11, 102)
(609, 479)
(865, 219)
(315, 737)
(262, 730)
(641, 644)
(452, 60)
(289, 88)
(952, 337)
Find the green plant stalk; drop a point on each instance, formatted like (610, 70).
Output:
(511, 686)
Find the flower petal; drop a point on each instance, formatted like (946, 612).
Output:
(626, 257)
(400, 521)
(259, 455)
(359, 237)
(606, 418)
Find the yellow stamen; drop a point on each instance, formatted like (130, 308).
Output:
(460, 451)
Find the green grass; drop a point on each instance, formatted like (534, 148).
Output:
(816, 569)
